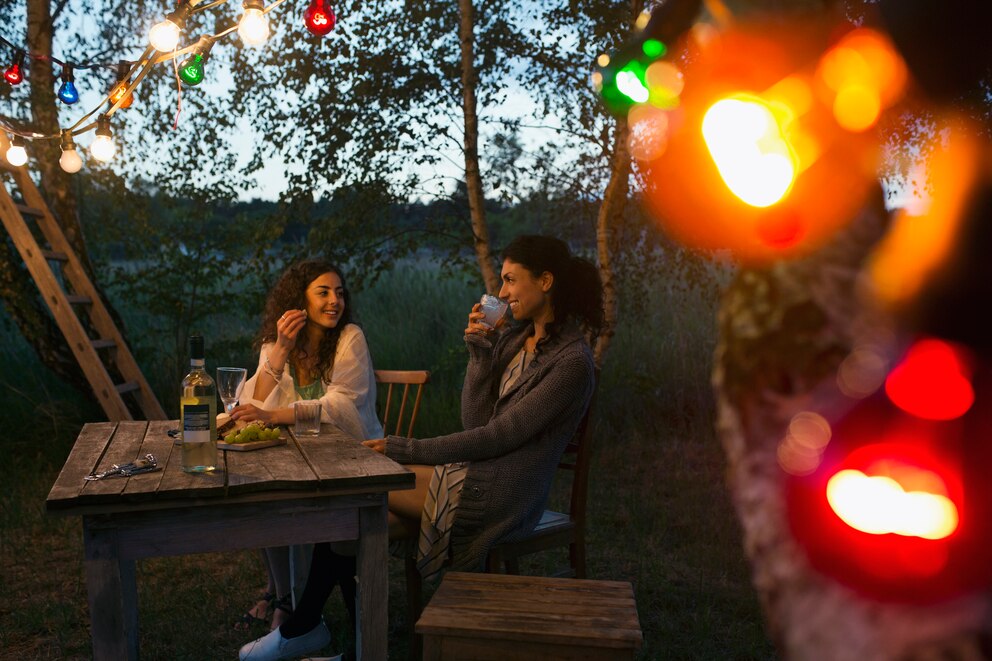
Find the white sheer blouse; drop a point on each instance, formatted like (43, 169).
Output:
(349, 398)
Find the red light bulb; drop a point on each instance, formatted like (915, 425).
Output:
(932, 381)
(13, 73)
(319, 18)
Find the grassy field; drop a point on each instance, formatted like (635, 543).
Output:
(660, 514)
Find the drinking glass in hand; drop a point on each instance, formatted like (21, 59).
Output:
(230, 381)
(494, 309)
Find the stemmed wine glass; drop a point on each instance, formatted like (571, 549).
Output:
(230, 381)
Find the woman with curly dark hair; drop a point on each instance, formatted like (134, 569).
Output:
(527, 386)
(309, 349)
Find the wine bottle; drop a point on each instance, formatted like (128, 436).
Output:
(198, 413)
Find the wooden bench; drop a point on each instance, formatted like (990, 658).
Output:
(483, 617)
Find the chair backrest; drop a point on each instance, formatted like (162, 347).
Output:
(405, 378)
(578, 458)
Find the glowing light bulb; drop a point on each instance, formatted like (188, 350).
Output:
(747, 145)
(319, 18)
(17, 155)
(254, 26)
(191, 70)
(103, 147)
(120, 90)
(13, 74)
(164, 36)
(67, 92)
(69, 160)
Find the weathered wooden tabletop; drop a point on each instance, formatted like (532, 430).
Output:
(331, 461)
(323, 488)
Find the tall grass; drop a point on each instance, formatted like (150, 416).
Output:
(660, 516)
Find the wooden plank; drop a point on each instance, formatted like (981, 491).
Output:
(177, 484)
(78, 299)
(103, 344)
(157, 442)
(124, 448)
(83, 458)
(54, 256)
(30, 211)
(127, 386)
(112, 596)
(373, 588)
(468, 648)
(534, 609)
(281, 467)
(225, 526)
(341, 461)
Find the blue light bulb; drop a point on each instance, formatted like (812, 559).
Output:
(68, 94)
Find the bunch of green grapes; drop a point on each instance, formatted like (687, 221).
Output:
(251, 433)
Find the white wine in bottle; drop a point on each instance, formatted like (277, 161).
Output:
(198, 413)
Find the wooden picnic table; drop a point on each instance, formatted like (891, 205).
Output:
(313, 489)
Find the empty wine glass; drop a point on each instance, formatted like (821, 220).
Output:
(230, 381)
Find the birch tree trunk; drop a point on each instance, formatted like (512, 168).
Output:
(610, 213)
(783, 332)
(473, 177)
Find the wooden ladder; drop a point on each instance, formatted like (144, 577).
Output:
(44, 265)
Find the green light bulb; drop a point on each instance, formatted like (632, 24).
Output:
(191, 70)
(654, 48)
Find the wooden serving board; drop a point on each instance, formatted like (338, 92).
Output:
(254, 445)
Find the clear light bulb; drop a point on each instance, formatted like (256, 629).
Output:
(254, 27)
(17, 155)
(164, 36)
(70, 160)
(103, 147)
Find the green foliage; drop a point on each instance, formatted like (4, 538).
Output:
(658, 472)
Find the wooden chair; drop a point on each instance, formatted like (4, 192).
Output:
(557, 529)
(392, 379)
(405, 378)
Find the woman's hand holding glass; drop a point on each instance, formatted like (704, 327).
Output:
(476, 326)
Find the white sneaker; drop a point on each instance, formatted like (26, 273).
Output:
(273, 647)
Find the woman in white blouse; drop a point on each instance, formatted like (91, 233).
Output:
(308, 349)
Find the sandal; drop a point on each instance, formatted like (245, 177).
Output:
(249, 620)
(284, 604)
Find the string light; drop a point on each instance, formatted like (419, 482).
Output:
(103, 147)
(70, 160)
(16, 154)
(191, 70)
(67, 92)
(121, 89)
(13, 73)
(319, 18)
(164, 36)
(254, 26)
(253, 29)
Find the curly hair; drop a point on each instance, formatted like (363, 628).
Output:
(577, 291)
(290, 293)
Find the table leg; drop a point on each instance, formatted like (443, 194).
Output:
(373, 584)
(113, 597)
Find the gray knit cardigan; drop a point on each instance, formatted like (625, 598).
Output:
(513, 442)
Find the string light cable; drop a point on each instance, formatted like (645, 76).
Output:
(129, 76)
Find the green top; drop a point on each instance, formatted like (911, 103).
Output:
(311, 390)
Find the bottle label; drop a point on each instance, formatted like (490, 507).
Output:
(196, 423)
